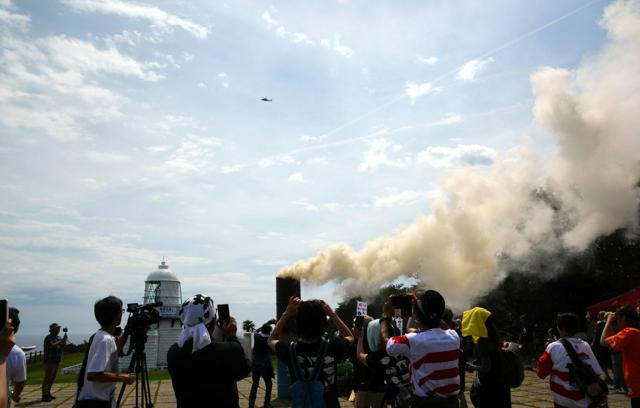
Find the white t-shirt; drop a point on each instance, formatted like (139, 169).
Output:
(102, 357)
(16, 367)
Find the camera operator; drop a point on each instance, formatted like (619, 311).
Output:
(99, 373)
(204, 371)
(53, 349)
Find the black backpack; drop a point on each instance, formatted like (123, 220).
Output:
(512, 370)
(583, 376)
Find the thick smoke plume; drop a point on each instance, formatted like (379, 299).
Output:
(488, 218)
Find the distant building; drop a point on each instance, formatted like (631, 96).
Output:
(161, 285)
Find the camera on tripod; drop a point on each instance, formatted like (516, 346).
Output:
(141, 317)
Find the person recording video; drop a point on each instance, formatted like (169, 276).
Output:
(53, 350)
(99, 372)
(203, 369)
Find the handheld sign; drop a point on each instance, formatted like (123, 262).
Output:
(361, 308)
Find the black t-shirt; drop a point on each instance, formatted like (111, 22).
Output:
(337, 351)
(377, 364)
(207, 377)
(361, 373)
(260, 348)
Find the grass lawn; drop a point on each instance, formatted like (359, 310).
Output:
(35, 371)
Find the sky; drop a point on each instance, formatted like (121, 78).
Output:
(135, 130)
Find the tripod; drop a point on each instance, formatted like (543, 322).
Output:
(138, 365)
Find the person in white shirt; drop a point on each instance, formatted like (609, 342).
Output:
(16, 363)
(101, 373)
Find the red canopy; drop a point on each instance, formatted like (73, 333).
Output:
(632, 297)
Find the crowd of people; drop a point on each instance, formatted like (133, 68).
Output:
(420, 361)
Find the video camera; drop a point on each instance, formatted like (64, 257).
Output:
(141, 317)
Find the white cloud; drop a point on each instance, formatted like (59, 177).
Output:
(297, 177)
(202, 85)
(222, 79)
(403, 198)
(472, 68)
(19, 21)
(303, 38)
(277, 160)
(306, 205)
(377, 156)
(449, 119)
(83, 56)
(430, 60)
(187, 57)
(158, 148)
(232, 169)
(337, 47)
(415, 90)
(282, 32)
(194, 155)
(311, 139)
(51, 84)
(106, 158)
(158, 17)
(318, 161)
(461, 155)
(266, 16)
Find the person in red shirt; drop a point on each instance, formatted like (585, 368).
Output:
(627, 340)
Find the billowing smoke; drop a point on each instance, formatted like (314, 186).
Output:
(523, 205)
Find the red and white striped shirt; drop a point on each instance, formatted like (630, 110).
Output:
(433, 355)
(556, 361)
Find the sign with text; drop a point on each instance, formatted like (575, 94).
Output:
(361, 308)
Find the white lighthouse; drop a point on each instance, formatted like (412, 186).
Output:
(162, 285)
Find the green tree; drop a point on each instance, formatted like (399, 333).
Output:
(248, 326)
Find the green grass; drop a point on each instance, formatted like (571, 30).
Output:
(35, 371)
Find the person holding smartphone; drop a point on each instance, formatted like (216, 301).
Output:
(432, 351)
(52, 356)
(204, 370)
(626, 340)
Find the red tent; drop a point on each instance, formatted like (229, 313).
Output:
(632, 297)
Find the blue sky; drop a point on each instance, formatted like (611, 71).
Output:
(135, 130)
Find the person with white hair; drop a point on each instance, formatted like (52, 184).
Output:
(204, 370)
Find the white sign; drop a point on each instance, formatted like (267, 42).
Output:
(361, 309)
(168, 311)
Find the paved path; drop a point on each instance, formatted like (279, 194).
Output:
(532, 393)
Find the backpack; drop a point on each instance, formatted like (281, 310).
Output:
(583, 376)
(307, 392)
(512, 370)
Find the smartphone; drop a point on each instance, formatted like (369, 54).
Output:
(359, 321)
(223, 315)
(404, 303)
(4, 312)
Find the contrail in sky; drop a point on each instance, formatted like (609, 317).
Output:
(453, 71)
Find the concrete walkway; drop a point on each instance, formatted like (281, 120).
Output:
(532, 393)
